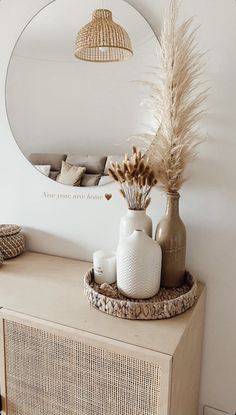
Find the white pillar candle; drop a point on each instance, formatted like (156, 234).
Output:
(104, 264)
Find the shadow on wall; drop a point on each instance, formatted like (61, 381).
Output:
(206, 175)
(205, 243)
(51, 244)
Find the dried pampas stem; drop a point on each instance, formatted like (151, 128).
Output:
(176, 103)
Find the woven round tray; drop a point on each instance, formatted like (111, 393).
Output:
(9, 230)
(169, 302)
(12, 246)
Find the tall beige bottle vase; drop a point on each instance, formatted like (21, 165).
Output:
(139, 266)
(135, 219)
(171, 235)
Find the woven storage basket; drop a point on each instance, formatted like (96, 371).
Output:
(169, 302)
(12, 243)
(1, 259)
(9, 230)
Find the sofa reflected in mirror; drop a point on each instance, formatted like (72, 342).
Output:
(75, 169)
(71, 116)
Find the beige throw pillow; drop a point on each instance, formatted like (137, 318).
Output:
(70, 175)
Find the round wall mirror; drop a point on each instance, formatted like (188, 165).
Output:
(66, 113)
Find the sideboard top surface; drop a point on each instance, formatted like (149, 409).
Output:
(51, 288)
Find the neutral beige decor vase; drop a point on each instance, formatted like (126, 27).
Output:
(171, 235)
(138, 266)
(135, 219)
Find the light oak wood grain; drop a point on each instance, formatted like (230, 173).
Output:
(51, 288)
(186, 368)
(46, 293)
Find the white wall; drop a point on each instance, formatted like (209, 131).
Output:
(75, 227)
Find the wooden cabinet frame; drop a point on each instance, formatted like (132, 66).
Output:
(175, 345)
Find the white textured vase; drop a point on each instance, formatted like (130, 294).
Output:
(135, 219)
(139, 266)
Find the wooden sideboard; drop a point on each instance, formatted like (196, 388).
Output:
(59, 355)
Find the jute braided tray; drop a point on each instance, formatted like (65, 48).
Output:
(169, 302)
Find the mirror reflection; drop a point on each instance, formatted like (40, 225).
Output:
(71, 117)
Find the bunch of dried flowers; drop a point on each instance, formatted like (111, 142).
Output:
(136, 179)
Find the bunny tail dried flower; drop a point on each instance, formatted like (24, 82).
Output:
(136, 179)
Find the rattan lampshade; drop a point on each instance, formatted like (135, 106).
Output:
(102, 40)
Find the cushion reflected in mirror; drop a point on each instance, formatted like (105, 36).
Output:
(93, 164)
(70, 175)
(53, 174)
(44, 169)
(53, 159)
(105, 180)
(112, 159)
(90, 180)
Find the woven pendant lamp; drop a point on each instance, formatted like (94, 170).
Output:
(102, 40)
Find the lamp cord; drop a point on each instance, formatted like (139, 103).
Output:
(102, 4)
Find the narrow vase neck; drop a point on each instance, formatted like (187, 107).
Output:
(132, 212)
(172, 208)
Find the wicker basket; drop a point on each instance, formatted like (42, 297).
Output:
(12, 243)
(1, 259)
(169, 302)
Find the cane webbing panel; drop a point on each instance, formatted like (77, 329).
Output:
(48, 374)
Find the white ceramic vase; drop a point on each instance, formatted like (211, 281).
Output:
(135, 219)
(139, 266)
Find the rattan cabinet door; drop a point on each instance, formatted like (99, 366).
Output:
(52, 370)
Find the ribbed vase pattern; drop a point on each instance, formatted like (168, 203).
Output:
(139, 266)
